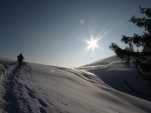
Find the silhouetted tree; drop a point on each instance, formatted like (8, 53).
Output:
(138, 46)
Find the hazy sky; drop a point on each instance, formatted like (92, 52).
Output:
(54, 31)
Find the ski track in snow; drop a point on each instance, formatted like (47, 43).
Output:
(19, 93)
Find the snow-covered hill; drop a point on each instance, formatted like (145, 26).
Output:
(120, 76)
(35, 88)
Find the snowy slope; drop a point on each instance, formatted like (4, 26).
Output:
(121, 76)
(35, 88)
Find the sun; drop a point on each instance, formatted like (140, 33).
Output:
(92, 44)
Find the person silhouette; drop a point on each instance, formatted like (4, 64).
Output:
(20, 59)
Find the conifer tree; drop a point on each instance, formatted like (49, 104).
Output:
(139, 46)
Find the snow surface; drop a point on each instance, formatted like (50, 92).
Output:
(120, 76)
(35, 88)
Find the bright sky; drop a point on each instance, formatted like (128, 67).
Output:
(55, 32)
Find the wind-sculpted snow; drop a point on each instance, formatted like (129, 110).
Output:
(122, 77)
(35, 88)
(77, 91)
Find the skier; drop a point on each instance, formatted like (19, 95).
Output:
(20, 59)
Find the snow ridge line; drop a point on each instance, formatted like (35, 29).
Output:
(103, 66)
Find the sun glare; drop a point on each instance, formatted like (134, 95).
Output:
(92, 44)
